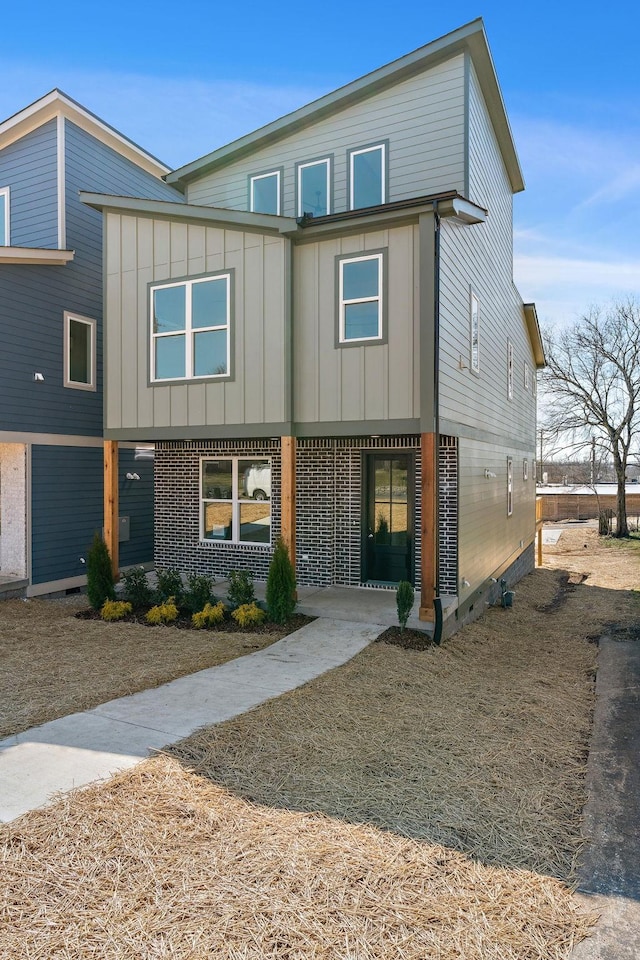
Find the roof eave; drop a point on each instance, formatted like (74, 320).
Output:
(533, 327)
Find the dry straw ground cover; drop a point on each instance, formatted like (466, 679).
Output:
(408, 805)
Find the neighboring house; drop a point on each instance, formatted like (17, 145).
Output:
(51, 443)
(333, 307)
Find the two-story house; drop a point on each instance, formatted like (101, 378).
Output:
(51, 442)
(324, 340)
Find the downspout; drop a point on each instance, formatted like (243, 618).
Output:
(437, 602)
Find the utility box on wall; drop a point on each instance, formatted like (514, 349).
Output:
(124, 529)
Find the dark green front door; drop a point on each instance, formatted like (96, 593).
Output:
(388, 516)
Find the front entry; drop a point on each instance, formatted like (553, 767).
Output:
(388, 517)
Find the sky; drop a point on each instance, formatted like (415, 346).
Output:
(183, 80)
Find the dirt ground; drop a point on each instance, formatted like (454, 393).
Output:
(409, 804)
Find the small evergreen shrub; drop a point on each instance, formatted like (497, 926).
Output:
(404, 602)
(211, 615)
(115, 610)
(165, 612)
(198, 593)
(281, 585)
(100, 579)
(248, 615)
(240, 588)
(136, 588)
(169, 584)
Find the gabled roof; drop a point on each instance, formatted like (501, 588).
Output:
(470, 38)
(58, 104)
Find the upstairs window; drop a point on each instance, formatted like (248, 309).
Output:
(79, 352)
(509, 370)
(313, 184)
(235, 498)
(5, 218)
(509, 486)
(264, 192)
(190, 328)
(527, 376)
(360, 298)
(474, 333)
(368, 176)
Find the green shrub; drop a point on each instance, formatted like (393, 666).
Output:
(136, 588)
(100, 579)
(169, 584)
(165, 612)
(115, 609)
(210, 616)
(248, 615)
(404, 602)
(281, 585)
(240, 588)
(198, 592)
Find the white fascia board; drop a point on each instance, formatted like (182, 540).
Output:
(36, 255)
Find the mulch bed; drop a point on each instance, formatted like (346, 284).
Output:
(408, 639)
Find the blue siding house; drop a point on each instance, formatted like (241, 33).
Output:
(51, 408)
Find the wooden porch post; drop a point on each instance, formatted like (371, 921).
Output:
(428, 526)
(111, 501)
(288, 496)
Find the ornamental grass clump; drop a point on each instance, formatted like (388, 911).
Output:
(100, 579)
(281, 585)
(210, 616)
(248, 615)
(165, 612)
(404, 602)
(115, 610)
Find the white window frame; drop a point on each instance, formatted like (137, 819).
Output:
(235, 502)
(509, 370)
(190, 331)
(382, 147)
(70, 318)
(509, 486)
(525, 469)
(527, 376)
(305, 166)
(474, 323)
(265, 176)
(6, 193)
(379, 299)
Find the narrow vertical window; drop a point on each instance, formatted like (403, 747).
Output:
(368, 176)
(509, 370)
(509, 486)
(79, 352)
(527, 376)
(525, 469)
(474, 333)
(264, 192)
(360, 306)
(5, 218)
(314, 188)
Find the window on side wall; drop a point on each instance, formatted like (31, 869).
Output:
(313, 186)
(525, 469)
(367, 176)
(190, 328)
(79, 352)
(361, 312)
(509, 486)
(474, 333)
(235, 500)
(5, 217)
(264, 192)
(527, 376)
(509, 370)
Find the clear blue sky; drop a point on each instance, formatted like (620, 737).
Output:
(183, 79)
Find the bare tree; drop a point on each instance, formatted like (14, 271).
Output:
(592, 382)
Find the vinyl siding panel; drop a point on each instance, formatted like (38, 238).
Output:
(258, 390)
(422, 118)
(368, 382)
(29, 168)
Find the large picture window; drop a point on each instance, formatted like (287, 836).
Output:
(5, 217)
(79, 352)
(236, 500)
(190, 328)
(360, 298)
(314, 188)
(368, 176)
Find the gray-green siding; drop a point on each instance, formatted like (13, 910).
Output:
(421, 118)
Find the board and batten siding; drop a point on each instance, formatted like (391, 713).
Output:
(479, 258)
(143, 250)
(422, 118)
(359, 382)
(29, 168)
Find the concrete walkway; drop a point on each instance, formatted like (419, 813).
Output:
(78, 749)
(609, 870)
